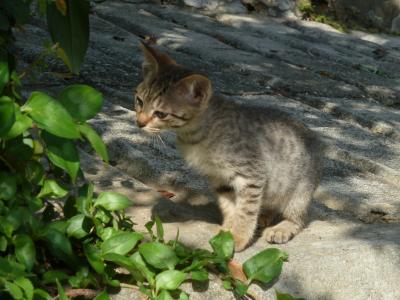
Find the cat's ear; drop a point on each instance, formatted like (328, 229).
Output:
(195, 88)
(154, 61)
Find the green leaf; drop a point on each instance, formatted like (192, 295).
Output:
(160, 229)
(4, 72)
(3, 243)
(53, 275)
(60, 246)
(82, 101)
(169, 280)
(70, 31)
(121, 243)
(265, 266)
(158, 255)
(14, 290)
(50, 115)
(7, 227)
(149, 226)
(200, 275)
(223, 244)
(79, 226)
(140, 264)
(93, 254)
(227, 284)
(18, 151)
(8, 186)
(113, 201)
(34, 171)
(122, 261)
(164, 295)
(82, 278)
(26, 285)
(61, 292)
(40, 294)
(59, 225)
(102, 296)
(84, 200)
(183, 296)
(21, 124)
(282, 296)
(94, 140)
(107, 233)
(10, 269)
(52, 189)
(62, 153)
(7, 115)
(42, 7)
(25, 250)
(103, 215)
(240, 288)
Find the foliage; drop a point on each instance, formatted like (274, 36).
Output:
(56, 234)
(318, 11)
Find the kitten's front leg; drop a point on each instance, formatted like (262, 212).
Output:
(249, 195)
(226, 202)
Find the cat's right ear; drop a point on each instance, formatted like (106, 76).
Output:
(195, 88)
(153, 60)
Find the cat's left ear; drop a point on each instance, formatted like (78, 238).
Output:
(195, 88)
(154, 61)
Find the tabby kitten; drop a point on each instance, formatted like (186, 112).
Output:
(259, 161)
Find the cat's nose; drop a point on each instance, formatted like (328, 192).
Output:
(142, 120)
(140, 124)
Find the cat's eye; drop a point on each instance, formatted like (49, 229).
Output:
(160, 114)
(139, 101)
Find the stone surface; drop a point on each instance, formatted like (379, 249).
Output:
(275, 8)
(218, 6)
(370, 13)
(346, 87)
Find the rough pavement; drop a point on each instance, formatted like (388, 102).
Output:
(346, 87)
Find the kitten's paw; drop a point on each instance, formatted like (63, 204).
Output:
(240, 242)
(281, 233)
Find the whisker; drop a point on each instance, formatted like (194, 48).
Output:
(162, 141)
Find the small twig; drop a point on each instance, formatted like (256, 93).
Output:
(85, 293)
(7, 163)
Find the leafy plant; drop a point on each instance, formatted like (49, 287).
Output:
(57, 237)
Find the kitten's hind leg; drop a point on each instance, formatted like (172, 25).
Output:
(248, 203)
(294, 215)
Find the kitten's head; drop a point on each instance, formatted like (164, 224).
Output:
(170, 95)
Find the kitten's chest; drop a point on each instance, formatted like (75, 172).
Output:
(197, 156)
(201, 158)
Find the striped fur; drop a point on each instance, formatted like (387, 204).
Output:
(258, 160)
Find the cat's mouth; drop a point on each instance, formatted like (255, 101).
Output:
(152, 130)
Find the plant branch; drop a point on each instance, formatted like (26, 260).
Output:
(7, 163)
(74, 293)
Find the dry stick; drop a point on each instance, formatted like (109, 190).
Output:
(86, 293)
(7, 163)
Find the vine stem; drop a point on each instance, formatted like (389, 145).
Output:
(74, 293)
(7, 164)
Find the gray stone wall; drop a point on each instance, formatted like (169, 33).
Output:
(381, 14)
